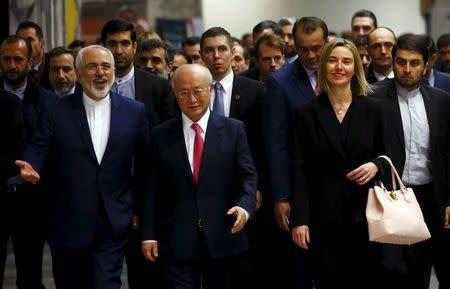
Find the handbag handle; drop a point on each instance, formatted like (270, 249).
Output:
(395, 177)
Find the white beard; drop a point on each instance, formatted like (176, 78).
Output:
(100, 93)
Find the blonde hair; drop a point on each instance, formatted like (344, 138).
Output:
(359, 84)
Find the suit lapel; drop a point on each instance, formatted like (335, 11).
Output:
(396, 114)
(180, 150)
(432, 115)
(114, 125)
(301, 79)
(329, 124)
(235, 109)
(212, 139)
(82, 123)
(138, 85)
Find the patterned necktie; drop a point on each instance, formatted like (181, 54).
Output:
(317, 87)
(218, 107)
(198, 150)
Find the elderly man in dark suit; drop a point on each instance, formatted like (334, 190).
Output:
(92, 137)
(419, 148)
(119, 37)
(202, 190)
(239, 97)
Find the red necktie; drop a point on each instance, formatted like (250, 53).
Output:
(317, 87)
(198, 150)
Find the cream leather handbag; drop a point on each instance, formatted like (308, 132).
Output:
(395, 217)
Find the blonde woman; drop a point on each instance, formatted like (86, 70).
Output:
(337, 139)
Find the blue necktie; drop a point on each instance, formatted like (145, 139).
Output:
(218, 99)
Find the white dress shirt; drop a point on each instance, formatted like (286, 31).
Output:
(312, 77)
(19, 92)
(98, 115)
(189, 134)
(417, 169)
(227, 87)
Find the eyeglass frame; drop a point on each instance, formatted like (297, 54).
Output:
(197, 93)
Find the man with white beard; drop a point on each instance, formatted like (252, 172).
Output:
(92, 137)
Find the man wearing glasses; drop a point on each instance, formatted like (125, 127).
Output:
(91, 137)
(202, 190)
(287, 89)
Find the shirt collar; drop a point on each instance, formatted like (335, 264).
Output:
(226, 82)
(401, 91)
(93, 103)
(36, 67)
(20, 92)
(310, 72)
(381, 77)
(127, 77)
(71, 91)
(203, 121)
(431, 78)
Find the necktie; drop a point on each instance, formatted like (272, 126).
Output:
(317, 87)
(198, 150)
(218, 99)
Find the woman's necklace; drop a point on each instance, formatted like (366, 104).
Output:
(339, 109)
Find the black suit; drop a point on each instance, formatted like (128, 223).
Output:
(157, 95)
(436, 196)
(26, 207)
(246, 99)
(189, 219)
(12, 130)
(323, 199)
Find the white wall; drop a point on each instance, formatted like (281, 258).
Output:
(239, 16)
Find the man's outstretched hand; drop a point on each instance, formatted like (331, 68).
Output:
(27, 172)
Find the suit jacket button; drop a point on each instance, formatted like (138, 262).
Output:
(199, 223)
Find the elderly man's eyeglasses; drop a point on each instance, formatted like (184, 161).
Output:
(197, 93)
(92, 67)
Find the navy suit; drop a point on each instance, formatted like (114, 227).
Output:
(176, 206)
(441, 80)
(90, 203)
(287, 89)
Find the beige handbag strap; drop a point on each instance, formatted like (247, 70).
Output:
(395, 177)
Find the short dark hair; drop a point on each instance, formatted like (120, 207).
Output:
(150, 44)
(285, 21)
(430, 45)
(172, 52)
(362, 40)
(365, 13)
(16, 39)
(272, 41)
(443, 41)
(76, 43)
(214, 32)
(236, 40)
(309, 25)
(268, 24)
(412, 42)
(191, 41)
(31, 24)
(60, 50)
(118, 25)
